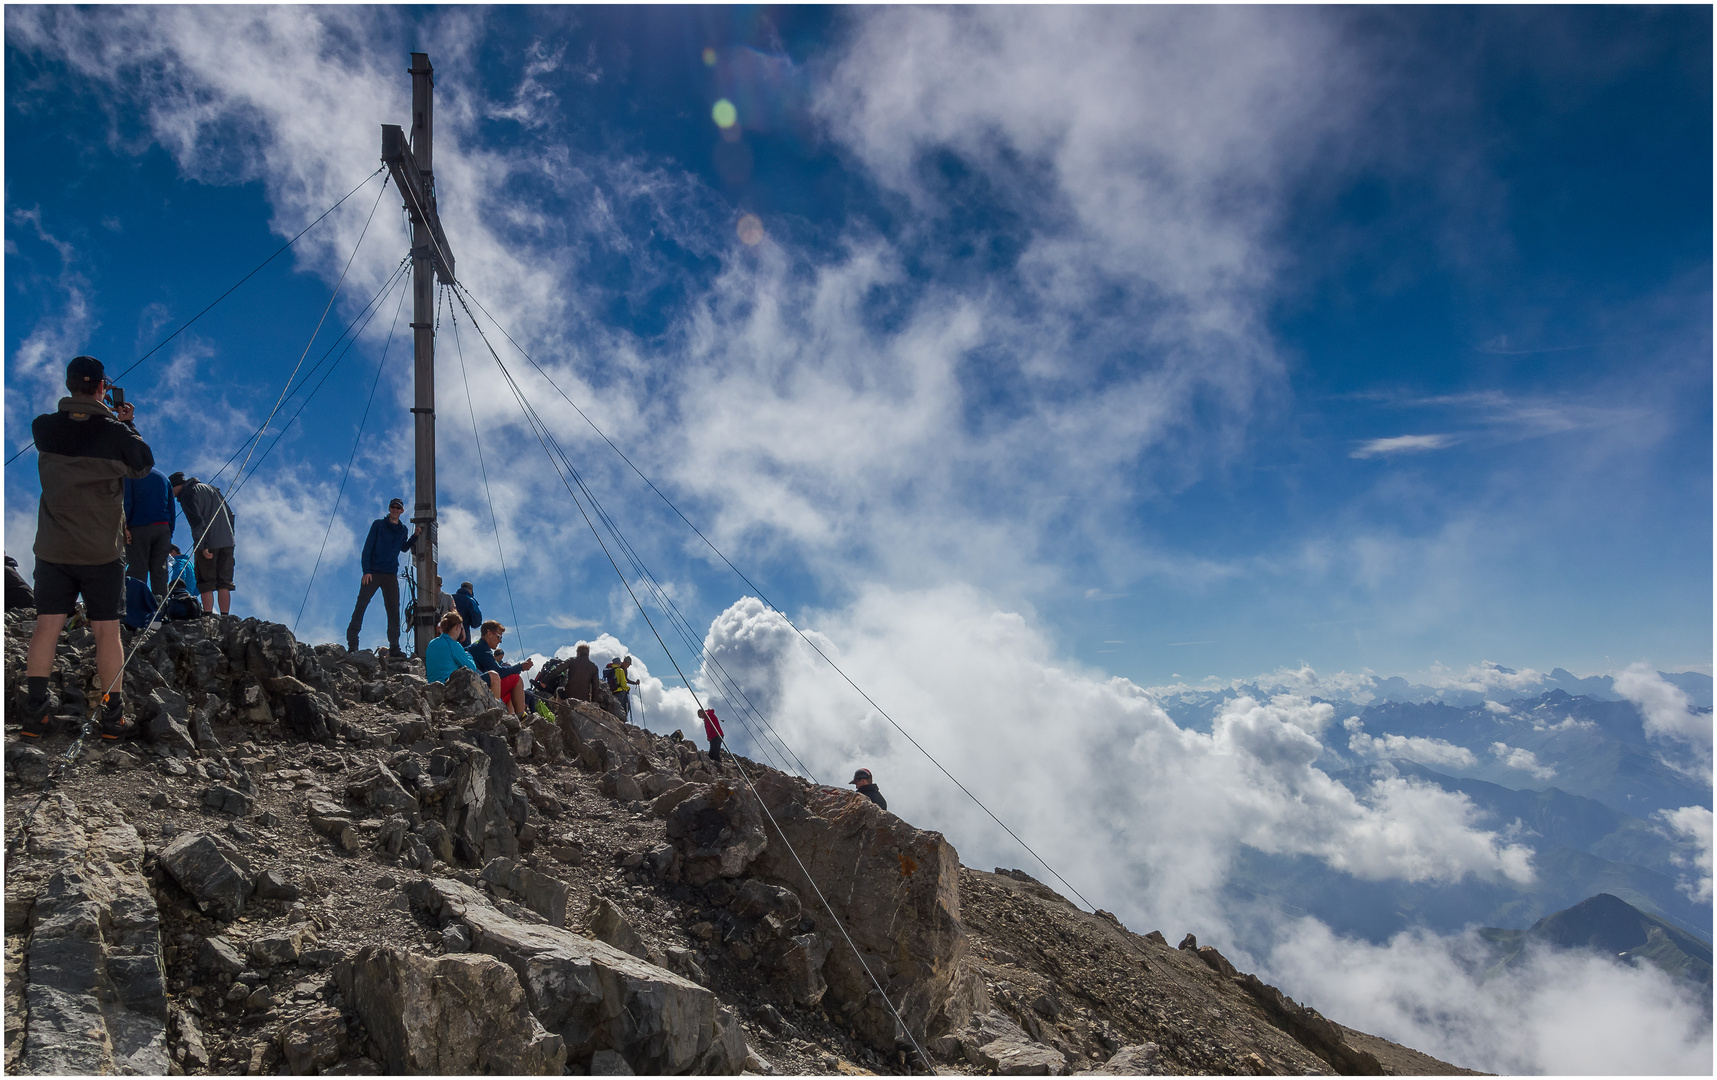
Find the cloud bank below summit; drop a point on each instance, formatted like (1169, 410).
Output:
(1147, 818)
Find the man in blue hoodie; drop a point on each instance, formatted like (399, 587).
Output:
(381, 571)
(150, 518)
(469, 610)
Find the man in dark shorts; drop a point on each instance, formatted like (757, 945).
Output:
(212, 532)
(85, 451)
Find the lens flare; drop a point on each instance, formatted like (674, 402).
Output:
(750, 230)
(709, 57)
(725, 114)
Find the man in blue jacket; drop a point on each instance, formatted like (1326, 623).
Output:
(470, 612)
(380, 564)
(150, 518)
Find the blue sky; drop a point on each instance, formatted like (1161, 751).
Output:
(1210, 341)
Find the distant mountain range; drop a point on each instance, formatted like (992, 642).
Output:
(1609, 925)
(1569, 771)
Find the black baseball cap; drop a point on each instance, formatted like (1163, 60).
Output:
(84, 369)
(396, 502)
(862, 774)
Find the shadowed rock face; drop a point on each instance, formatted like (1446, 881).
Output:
(894, 890)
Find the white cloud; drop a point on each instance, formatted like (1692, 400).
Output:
(1486, 677)
(1402, 444)
(1129, 806)
(1557, 1013)
(1411, 748)
(1667, 713)
(1516, 757)
(1693, 824)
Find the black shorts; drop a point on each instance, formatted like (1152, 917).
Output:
(102, 586)
(215, 573)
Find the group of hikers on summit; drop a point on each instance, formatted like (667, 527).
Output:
(104, 532)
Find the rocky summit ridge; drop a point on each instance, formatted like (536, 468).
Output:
(318, 862)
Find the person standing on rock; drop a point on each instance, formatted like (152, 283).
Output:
(465, 602)
(212, 531)
(512, 688)
(712, 731)
(867, 788)
(380, 564)
(582, 676)
(619, 682)
(149, 522)
(84, 453)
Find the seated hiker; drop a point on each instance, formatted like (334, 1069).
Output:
(444, 655)
(862, 781)
(181, 571)
(512, 689)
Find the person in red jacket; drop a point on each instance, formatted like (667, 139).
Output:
(712, 729)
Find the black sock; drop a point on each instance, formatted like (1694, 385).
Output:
(113, 705)
(38, 687)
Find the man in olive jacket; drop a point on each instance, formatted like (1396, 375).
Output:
(84, 453)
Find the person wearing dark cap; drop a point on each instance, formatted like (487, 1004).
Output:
(380, 564)
(85, 452)
(862, 781)
(212, 537)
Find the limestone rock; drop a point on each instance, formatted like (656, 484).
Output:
(314, 1041)
(311, 716)
(228, 800)
(1012, 1057)
(218, 956)
(447, 1015)
(620, 787)
(277, 948)
(605, 922)
(544, 895)
(96, 997)
(1142, 1060)
(216, 875)
(596, 996)
(719, 831)
(895, 889)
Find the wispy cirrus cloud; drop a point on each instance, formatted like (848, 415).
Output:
(1402, 444)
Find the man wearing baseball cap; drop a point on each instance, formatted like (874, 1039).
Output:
(84, 453)
(862, 781)
(380, 564)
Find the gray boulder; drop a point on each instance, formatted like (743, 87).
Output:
(544, 895)
(314, 1041)
(605, 923)
(719, 831)
(1013, 1057)
(447, 1015)
(1144, 1059)
(213, 871)
(596, 996)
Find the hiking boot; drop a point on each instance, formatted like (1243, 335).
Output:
(396, 653)
(114, 723)
(39, 718)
